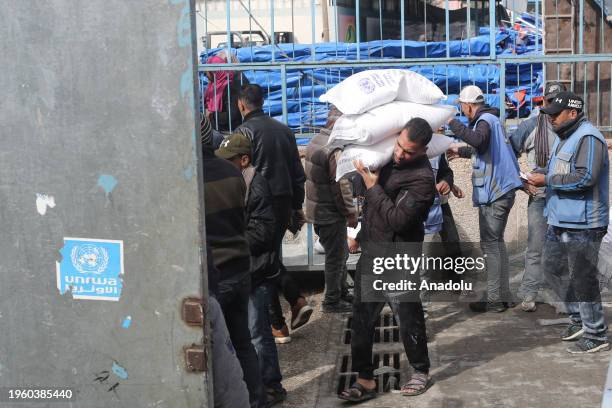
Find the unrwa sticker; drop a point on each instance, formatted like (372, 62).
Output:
(91, 269)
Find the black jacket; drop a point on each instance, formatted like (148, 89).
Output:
(396, 207)
(224, 197)
(275, 156)
(261, 225)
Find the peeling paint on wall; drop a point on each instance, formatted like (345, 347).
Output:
(107, 182)
(43, 201)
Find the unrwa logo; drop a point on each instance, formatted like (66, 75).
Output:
(89, 258)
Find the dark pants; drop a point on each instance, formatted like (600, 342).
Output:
(569, 260)
(333, 238)
(492, 222)
(284, 283)
(234, 301)
(412, 331)
(449, 234)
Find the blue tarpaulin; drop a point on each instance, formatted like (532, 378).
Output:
(305, 113)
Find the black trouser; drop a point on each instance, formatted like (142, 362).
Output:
(333, 238)
(234, 301)
(449, 234)
(412, 331)
(284, 282)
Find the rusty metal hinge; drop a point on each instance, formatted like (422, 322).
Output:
(195, 358)
(192, 311)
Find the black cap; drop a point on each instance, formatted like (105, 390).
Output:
(553, 89)
(564, 100)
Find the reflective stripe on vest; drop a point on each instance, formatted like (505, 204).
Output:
(495, 172)
(580, 209)
(435, 218)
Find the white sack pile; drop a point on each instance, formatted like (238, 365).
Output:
(376, 105)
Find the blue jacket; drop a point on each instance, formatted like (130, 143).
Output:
(573, 205)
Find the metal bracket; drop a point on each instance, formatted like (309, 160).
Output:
(192, 312)
(195, 358)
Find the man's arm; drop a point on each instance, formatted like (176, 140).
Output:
(589, 162)
(445, 173)
(261, 226)
(298, 177)
(477, 138)
(342, 190)
(520, 134)
(406, 212)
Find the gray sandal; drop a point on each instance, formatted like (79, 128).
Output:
(417, 385)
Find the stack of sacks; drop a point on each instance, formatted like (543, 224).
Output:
(376, 105)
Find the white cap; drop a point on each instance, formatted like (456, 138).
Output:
(471, 94)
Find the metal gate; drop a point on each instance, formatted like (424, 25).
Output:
(510, 54)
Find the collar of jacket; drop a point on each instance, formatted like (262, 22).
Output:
(568, 129)
(484, 109)
(252, 114)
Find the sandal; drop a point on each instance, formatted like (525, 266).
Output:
(418, 384)
(358, 393)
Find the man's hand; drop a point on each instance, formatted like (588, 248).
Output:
(536, 179)
(443, 187)
(453, 151)
(609, 143)
(352, 221)
(457, 192)
(297, 221)
(529, 189)
(353, 245)
(370, 178)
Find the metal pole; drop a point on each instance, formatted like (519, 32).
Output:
(228, 30)
(581, 30)
(537, 15)
(469, 25)
(447, 30)
(358, 29)
(403, 28)
(284, 91)
(502, 96)
(272, 39)
(313, 29)
(492, 30)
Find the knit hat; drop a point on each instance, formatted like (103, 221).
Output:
(206, 131)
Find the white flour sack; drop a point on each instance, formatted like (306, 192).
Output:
(366, 90)
(377, 155)
(384, 121)
(374, 157)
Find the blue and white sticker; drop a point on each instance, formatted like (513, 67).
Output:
(91, 269)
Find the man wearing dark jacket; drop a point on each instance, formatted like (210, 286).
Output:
(397, 201)
(276, 157)
(224, 193)
(261, 225)
(329, 206)
(495, 179)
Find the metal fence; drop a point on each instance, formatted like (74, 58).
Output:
(510, 55)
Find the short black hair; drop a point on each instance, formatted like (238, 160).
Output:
(419, 131)
(252, 96)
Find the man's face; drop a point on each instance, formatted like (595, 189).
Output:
(468, 110)
(241, 161)
(241, 108)
(406, 150)
(563, 117)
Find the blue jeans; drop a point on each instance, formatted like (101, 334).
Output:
(492, 220)
(570, 265)
(537, 226)
(261, 335)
